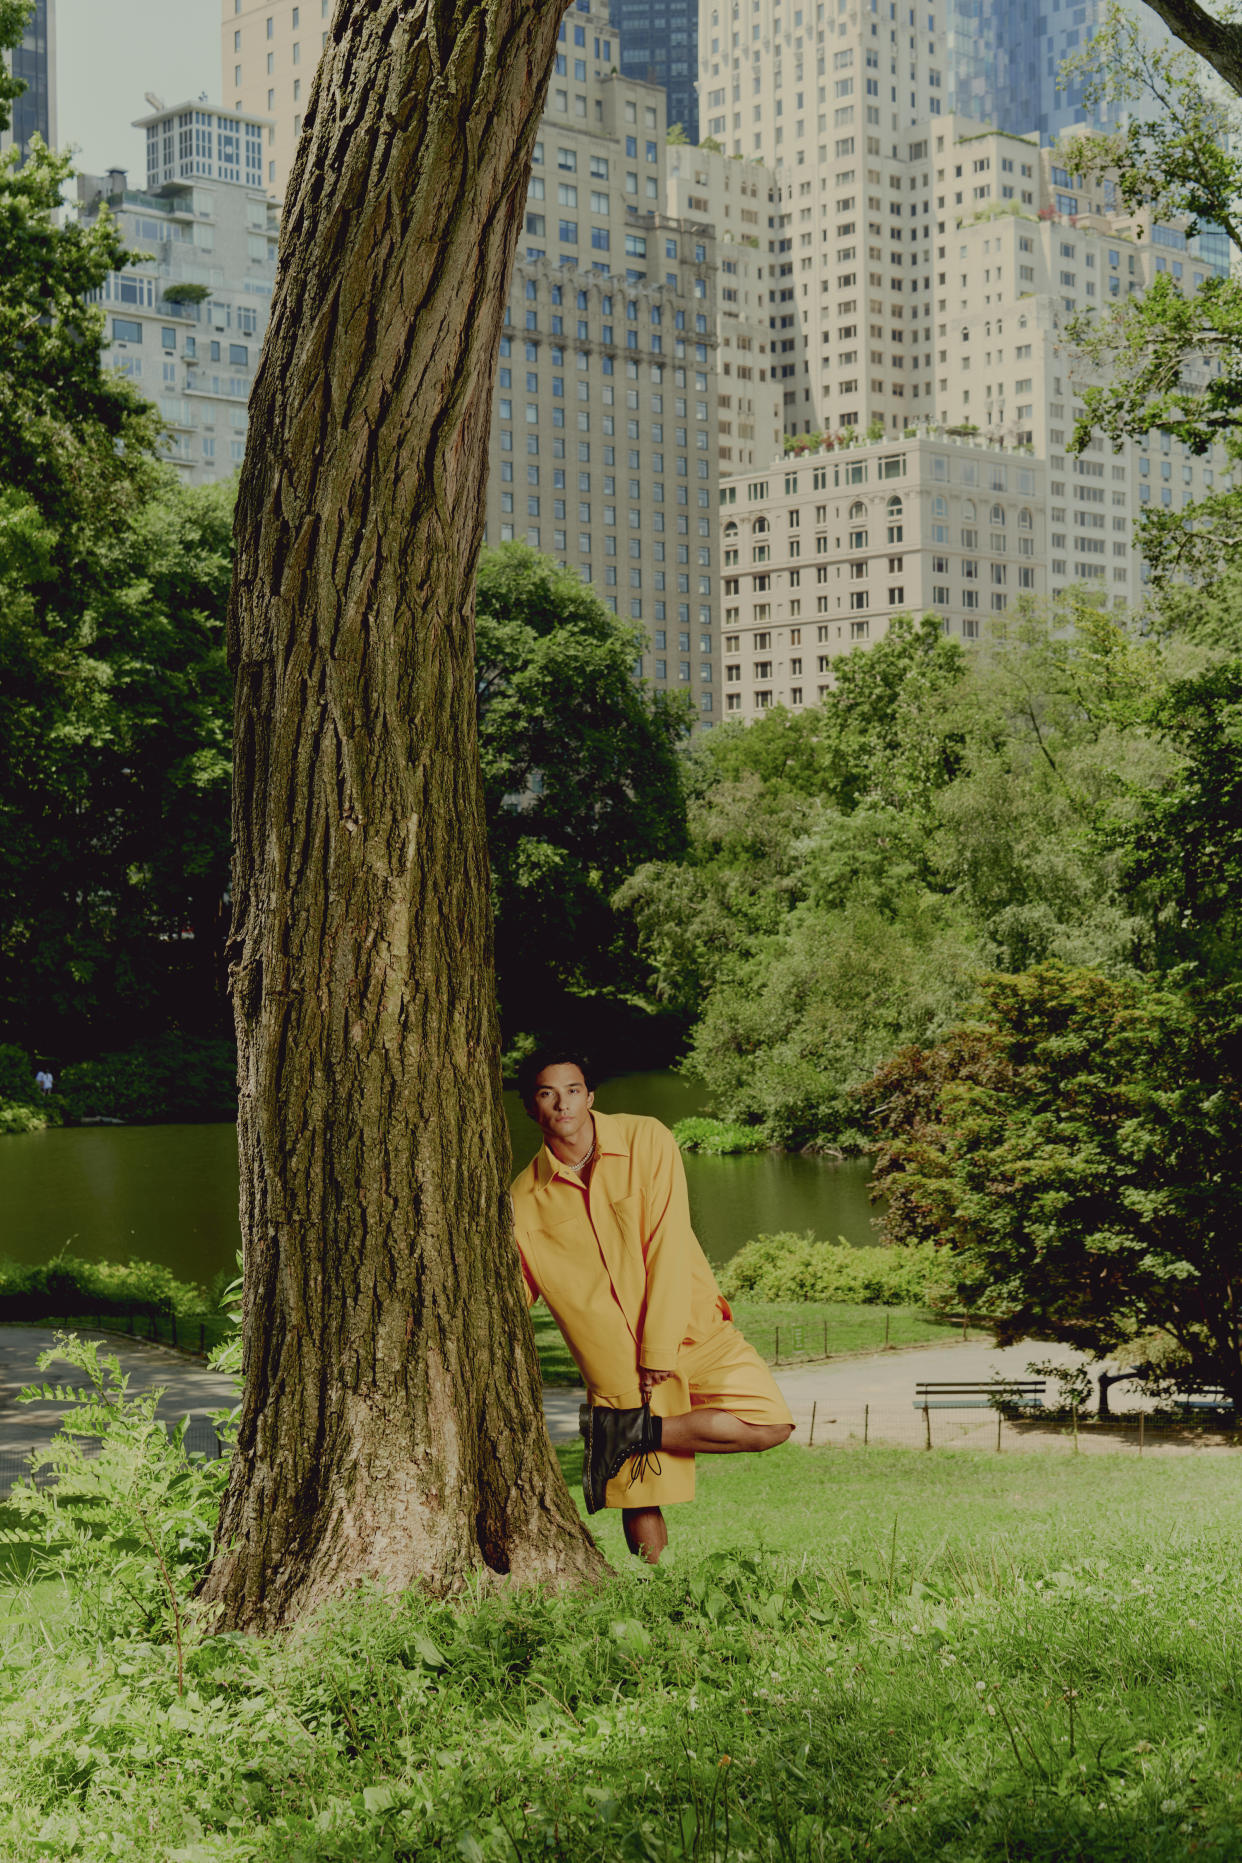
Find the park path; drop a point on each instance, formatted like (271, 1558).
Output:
(842, 1400)
(190, 1388)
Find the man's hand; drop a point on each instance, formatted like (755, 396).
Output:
(647, 1381)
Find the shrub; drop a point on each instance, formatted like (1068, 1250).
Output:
(24, 1107)
(717, 1138)
(128, 1522)
(173, 1078)
(797, 1267)
(67, 1287)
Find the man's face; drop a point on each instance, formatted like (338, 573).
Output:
(561, 1103)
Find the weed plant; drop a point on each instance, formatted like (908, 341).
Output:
(882, 1654)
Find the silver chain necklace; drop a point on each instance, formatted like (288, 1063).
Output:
(586, 1158)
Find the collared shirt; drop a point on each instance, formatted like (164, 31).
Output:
(618, 1262)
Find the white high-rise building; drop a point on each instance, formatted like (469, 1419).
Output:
(820, 553)
(839, 104)
(738, 198)
(186, 321)
(605, 446)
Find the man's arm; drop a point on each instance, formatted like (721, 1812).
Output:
(669, 1245)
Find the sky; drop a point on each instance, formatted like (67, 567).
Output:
(109, 52)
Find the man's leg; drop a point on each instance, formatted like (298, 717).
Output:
(646, 1534)
(719, 1432)
(700, 1432)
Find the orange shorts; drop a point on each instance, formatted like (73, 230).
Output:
(721, 1372)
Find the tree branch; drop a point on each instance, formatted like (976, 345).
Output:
(1220, 44)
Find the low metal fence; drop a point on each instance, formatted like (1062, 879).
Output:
(196, 1335)
(200, 1439)
(872, 1329)
(822, 1424)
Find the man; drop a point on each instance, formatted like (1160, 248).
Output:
(603, 1226)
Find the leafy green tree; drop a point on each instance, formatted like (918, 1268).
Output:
(73, 437)
(77, 471)
(1167, 359)
(1183, 846)
(1076, 1148)
(114, 790)
(1052, 739)
(804, 1020)
(581, 776)
(800, 933)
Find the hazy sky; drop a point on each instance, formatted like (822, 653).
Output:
(110, 51)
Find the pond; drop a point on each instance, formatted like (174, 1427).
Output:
(169, 1193)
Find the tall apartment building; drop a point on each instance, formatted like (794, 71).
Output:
(34, 62)
(839, 106)
(269, 50)
(604, 443)
(1027, 248)
(819, 553)
(186, 321)
(659, 44)
(738, 198)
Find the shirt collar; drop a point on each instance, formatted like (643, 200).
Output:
(609, 1143)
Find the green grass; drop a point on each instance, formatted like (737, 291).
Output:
(881, 1654)
(851, 1328)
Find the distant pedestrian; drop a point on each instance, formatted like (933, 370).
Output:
(43, 1080)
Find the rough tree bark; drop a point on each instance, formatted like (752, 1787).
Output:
(391, 1428)
(1219, 41)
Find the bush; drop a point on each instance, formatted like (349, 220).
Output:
(68, 1287)
(128, 1522)
(797, 1267)
(18, 1117)
(171, 1079)
(717, 1139)
(24, 1107)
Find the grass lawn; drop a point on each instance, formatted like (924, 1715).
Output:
(851, 1328)
(881, 1654)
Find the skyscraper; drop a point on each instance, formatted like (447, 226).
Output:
(1005, 60)
(659, 44)
(34, 62)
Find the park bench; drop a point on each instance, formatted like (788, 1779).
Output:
(1024, 1393)
(1212, 1398)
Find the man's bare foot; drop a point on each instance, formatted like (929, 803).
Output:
(646, 1535)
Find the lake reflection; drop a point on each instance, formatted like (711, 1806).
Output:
(169, 1193)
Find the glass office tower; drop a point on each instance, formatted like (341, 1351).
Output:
(659, 44)
(1006, 56)
(34, 63)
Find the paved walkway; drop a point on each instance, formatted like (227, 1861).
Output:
(190, 1388)
(834, 1402)
(871, 1400)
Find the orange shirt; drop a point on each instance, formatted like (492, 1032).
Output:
(618, 1264)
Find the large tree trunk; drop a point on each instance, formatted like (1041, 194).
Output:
(391, 1428)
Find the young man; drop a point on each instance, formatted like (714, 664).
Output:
(603, 1226)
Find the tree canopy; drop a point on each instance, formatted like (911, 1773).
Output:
(581, 777)
(1076, 1150)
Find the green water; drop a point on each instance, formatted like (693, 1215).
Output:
(169, 1193)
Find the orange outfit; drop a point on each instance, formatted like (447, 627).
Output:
(622, 1272)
